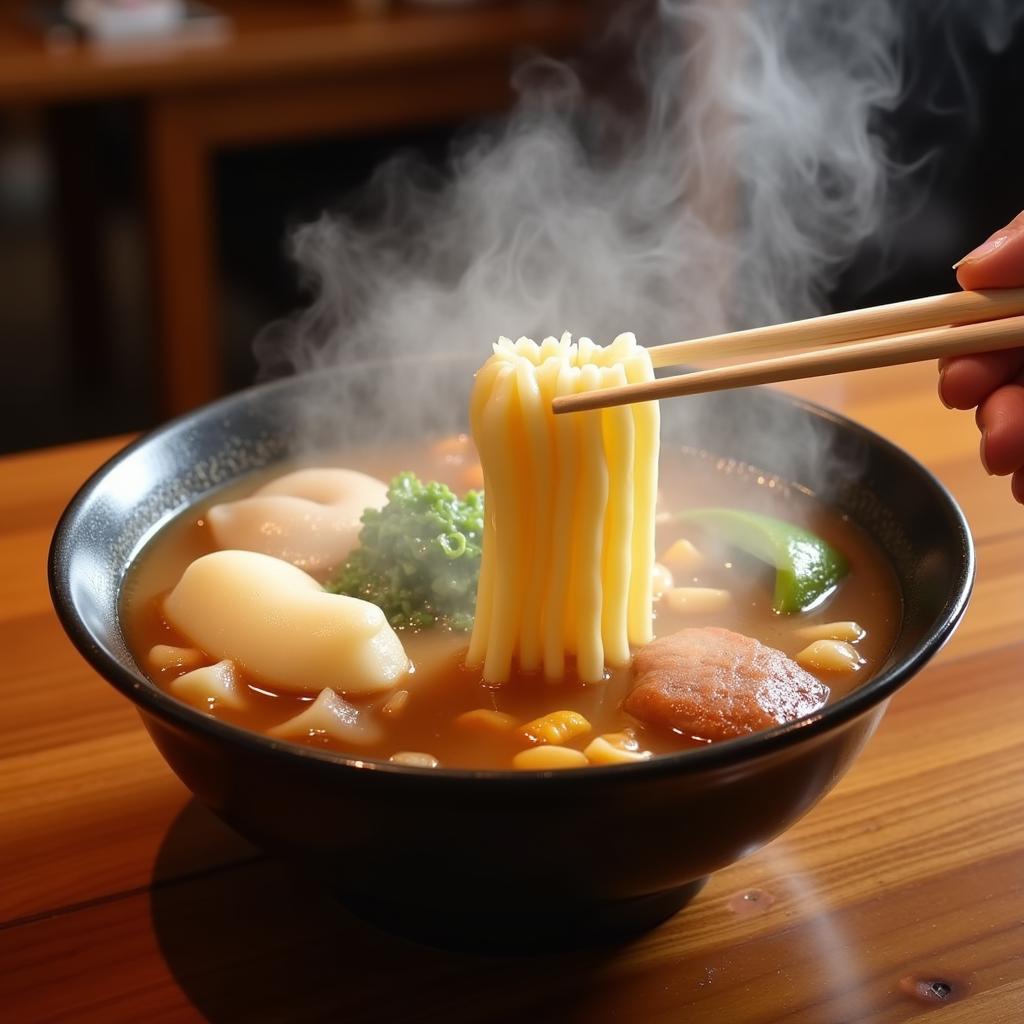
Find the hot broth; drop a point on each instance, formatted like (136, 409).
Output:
(441, 689)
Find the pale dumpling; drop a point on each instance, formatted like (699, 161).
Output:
(281, 628)
(329, 717)
(309, 518)
(210, 687)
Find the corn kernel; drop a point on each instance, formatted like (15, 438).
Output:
(414, 759)
(624, 740)
(556, 727)
(683, 557)
(851, 632)
(661, 579)
(395, 704)
(166, 656)
(548, 758)
(486, 720)
(697, 600)
(830, 656)
(604, 750)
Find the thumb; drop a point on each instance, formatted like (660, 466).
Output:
(998, 262)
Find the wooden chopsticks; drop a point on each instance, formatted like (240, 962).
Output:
(903, 332)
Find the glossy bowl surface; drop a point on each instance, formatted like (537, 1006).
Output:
(502, 858)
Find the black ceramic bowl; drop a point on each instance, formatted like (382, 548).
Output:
(501, 857)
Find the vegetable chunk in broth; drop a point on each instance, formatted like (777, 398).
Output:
(443, 713)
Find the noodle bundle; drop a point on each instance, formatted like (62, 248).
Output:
(568, 550)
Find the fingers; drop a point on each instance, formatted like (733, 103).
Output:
(965, 381)
(1001, 421)
(998, 262)
(992, 381)
(1017, 486)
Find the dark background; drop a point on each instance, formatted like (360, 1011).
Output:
(961, 114)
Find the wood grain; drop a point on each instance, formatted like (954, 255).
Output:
(185, 132)
(65, 736)
(183, 258)
(122, 900)
(275, 40)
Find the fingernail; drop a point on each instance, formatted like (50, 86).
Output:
(942, 380)
(984, 439)
(991, 245)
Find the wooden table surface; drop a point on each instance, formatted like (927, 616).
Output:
(123, 900)
(271, 40)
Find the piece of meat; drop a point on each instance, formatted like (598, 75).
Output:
(714, 684)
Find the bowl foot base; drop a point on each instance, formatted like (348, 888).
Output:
(514, 932)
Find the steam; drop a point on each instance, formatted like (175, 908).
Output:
(730, 189)
(997, 20)
(730, 194)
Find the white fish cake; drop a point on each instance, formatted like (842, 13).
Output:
(210, 687)
(277, 624)
(329, 717)
(310, 518)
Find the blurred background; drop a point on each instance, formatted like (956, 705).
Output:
(148, 187)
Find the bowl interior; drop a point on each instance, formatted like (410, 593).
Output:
(911, 516)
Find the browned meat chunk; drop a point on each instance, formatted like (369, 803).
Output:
(715, 684)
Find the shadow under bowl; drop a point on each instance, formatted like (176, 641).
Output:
(490, 860)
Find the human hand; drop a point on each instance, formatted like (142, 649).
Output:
(993, 382)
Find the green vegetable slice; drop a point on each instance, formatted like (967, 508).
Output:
(806, 567)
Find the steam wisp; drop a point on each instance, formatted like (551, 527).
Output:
(731, 193)
(732, 197)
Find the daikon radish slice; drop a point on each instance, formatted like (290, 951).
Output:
(329, 717)
(210, 687)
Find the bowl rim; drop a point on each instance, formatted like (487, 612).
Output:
(714, 756)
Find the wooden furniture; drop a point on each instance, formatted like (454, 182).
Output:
(287, 70)
(123, 900)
